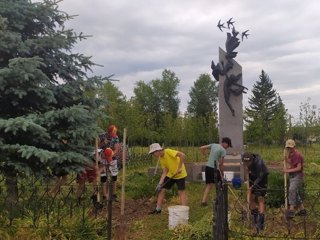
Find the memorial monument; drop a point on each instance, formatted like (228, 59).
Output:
(229, 74)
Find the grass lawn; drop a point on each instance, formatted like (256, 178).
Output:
(200, 218)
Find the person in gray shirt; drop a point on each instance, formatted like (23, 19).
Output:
(214, 167)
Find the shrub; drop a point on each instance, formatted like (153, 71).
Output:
(275, 196)
(140, 185)
(200, 230)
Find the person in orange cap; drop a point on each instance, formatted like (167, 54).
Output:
(107, 165)
(110, 139)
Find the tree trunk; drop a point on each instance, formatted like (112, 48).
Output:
(12, 189)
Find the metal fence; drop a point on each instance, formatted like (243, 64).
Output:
(37, 205)
(277, 224)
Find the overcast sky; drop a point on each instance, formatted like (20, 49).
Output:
(138, 39)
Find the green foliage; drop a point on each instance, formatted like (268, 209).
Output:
(275, 197)
(200, 230)
(157, 98)
(151, 115)
(279, 123)
(116, 107)
(72, 229)
(204, 97)
(264, 108)
(307, 128)
(48, 107)
(140, 186)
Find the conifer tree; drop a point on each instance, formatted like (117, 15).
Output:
(261, 111)
(48, 109)
(279, 124)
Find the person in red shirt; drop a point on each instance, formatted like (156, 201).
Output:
(295, 160)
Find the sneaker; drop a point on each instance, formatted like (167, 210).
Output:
(290, 214)
(155, 211)
(302, 213)
(204, 204)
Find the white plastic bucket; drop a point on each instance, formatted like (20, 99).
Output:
(178, 214)
(203, 176)
(228, 176)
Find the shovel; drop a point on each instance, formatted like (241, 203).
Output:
(122, 228)
(285, 155)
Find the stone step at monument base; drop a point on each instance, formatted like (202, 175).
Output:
(232, 158)
(232, 167)
(233, 163)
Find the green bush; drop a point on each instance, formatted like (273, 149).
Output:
(140, 185)
(200, 230)
(275, 196)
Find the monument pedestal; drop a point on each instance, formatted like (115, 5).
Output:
(233, 164)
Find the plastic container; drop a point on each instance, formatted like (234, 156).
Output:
(228, 176)
(236, 182)
(178, 215)
(203, 176)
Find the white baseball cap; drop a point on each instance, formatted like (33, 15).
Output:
(290, 143)
(154, 147)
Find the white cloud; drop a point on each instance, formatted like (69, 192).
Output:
(138, 39)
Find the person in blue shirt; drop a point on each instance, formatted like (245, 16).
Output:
(214, 167)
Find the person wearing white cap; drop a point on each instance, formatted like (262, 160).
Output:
(295, 159)
(173, 172)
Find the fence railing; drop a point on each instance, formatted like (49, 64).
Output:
(277, 224)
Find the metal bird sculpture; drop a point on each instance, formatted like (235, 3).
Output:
(220, 25)
(229, 22)
(232, 84)
(244, 34)
(226, 67)
(231, 44)
(234, 32)
(216, 70)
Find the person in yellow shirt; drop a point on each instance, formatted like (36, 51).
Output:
(173, 172)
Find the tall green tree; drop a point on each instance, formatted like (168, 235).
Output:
(166, 90)
(261, 111)
(308, 122)
(47, 106)
(203, 97)
(279, 124)
(158, 98)
(148, 104)
(116, 106)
